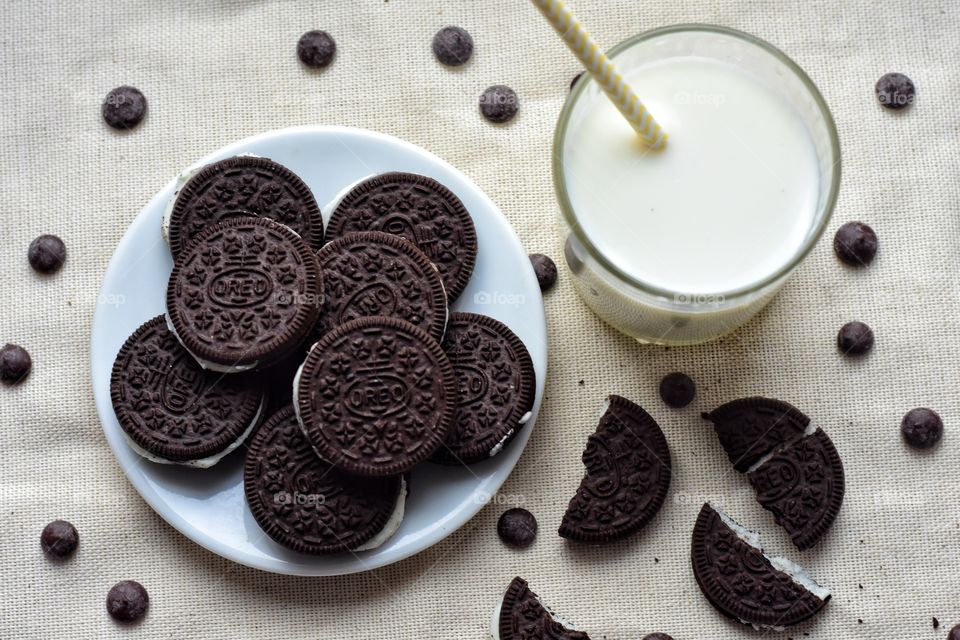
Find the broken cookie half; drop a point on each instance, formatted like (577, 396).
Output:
(742, 583)
(750, 428)
(793, 466)
(521, 616)
(802, 485)
(627, 480)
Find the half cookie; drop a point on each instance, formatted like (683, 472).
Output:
(802, 485)
(743, 583)
(242, 185)
(421, 210)
(309, 506)
(376, 396)
(244, 295)
(521, 616)
(751, 428)
(628, 476)
(497, 386)
(377, 274)
(170, 409)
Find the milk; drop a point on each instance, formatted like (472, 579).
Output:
(728, 203)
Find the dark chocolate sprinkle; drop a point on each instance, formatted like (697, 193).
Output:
(15, 364)
(855, 339)
(517, 528)
(499, 104)
(124, 107)
(453, 46)
(546, 270)
(59, 539)
(47, 254)
(316, 49)
(127, 601)
(677, 389)
(855, 244)
(895, 91)
(922, 428)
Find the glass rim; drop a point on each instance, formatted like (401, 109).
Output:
(569, 215)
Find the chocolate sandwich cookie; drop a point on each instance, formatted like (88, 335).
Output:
(308, 505)
(376, 396)
(377, 274)
(744, 584)
(521, 616)
(243, 185)
(170, 409)
(245, 294)
(628, 476)
(802, 485)
(496, 388)
(750, 428)
(421, 210)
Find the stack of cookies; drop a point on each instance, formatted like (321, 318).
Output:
(332, 354)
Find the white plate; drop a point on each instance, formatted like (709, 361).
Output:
(207, 505)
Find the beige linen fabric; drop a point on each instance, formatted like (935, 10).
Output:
(215, 72)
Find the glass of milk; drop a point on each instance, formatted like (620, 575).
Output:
(684, 245)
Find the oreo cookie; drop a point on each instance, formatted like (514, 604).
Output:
(170, 409)
(421, 210)
(802, 485)
(750, 428)
(377, 274)
(628, 476)
(238, 186)
(245, 294)
(521, 616)
(376, 396)
(308, 505)
(744, 584)
(496, 388)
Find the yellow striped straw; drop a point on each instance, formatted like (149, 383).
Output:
(603, 71)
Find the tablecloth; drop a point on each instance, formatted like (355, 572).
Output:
(217, 71)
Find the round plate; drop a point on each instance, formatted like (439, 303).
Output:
(207, 505)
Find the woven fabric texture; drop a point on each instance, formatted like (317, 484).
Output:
(214, 72)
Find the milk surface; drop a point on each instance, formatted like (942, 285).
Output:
(728, 202)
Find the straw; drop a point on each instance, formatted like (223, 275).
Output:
(603, 71)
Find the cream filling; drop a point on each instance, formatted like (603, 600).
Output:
(500, 445)
(392, 524)
(206, 364)
(201, 463)
(799, 575)
(809, 431)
